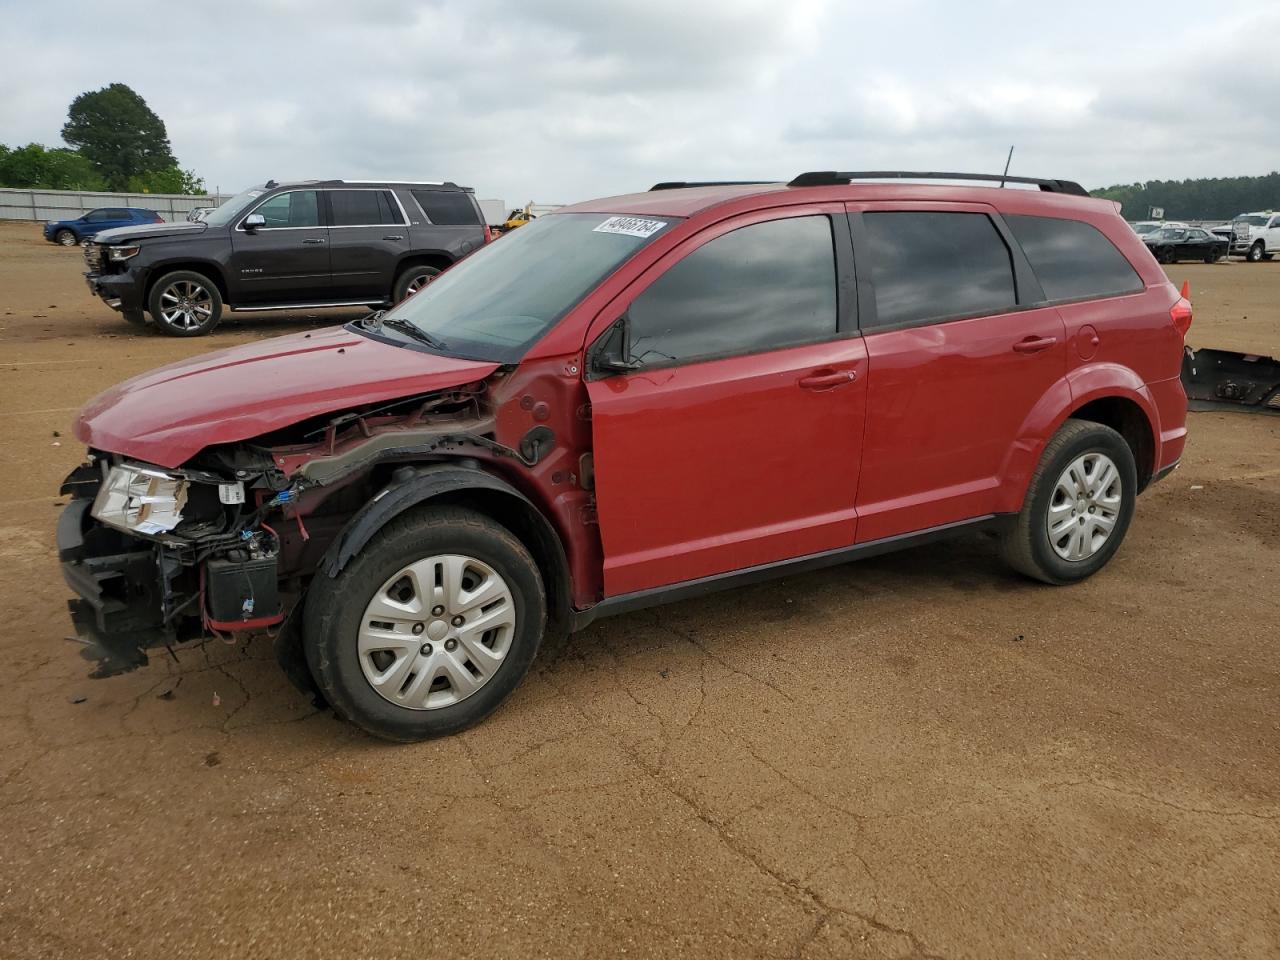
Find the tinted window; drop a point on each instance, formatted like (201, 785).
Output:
(297, 208)
(362, 208)
(447, 207)
(1073, 259)
(927, 266)
(756, 288)
(96, 216)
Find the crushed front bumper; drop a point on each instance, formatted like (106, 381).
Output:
(119, 291)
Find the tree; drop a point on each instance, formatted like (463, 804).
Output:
(38, 167)
(173, 180)
(1217, 198)
(119, 134)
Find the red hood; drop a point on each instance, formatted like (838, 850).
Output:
(168, 415)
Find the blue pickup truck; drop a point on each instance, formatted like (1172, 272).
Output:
(70, 232)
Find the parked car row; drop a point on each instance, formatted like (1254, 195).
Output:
(1254, 236)
(625, 402)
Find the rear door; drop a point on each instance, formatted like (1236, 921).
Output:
(957, 360)
(368, 234)
(287, 259)
(736, 441)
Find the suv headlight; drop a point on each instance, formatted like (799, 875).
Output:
(122, 253)
(140, 499)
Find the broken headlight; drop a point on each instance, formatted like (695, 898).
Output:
(140, 499)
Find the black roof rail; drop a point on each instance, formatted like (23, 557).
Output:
(827, 178)
(681, 184)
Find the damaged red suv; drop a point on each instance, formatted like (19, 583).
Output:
(631, 401)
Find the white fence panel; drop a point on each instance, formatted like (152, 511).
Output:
(39, 205)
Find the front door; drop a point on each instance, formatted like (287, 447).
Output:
(736, 440)
(286, 260)
(958, 355)
(367, 238)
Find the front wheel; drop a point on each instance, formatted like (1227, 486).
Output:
(185, 304)
(429, 628)
(1255, 252)
(65, 237)
(1078, 507)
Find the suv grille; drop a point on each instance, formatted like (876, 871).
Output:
(93, 256)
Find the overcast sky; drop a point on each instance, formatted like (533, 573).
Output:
(562, 100)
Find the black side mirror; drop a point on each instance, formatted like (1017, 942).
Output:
(612, 352)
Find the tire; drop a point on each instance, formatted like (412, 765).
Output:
(342, 630)
(1255, 252)
(66, 238)
(185, 304)
(411, 280)
(1030, 547)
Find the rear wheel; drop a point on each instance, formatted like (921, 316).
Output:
(185, 304)
(65, 237)
(412, 279)
(1078, 507)
(429, 628)
(1255, 252)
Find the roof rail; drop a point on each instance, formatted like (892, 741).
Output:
(827, 178)
(681, 184)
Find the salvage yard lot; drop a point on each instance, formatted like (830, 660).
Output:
(917, 755)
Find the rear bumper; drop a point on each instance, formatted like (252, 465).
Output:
(1170, 399)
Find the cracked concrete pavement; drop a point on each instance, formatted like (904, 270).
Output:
(916, 756)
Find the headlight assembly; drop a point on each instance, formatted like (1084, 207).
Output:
(140, 499)
(121, 253)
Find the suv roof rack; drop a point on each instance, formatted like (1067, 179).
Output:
(827, 178)
(681, 184)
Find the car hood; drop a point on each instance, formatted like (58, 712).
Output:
(149, 231)
(168, 415)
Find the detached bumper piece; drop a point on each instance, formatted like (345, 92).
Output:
(1225, 380)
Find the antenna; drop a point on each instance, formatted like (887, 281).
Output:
(1007, 161)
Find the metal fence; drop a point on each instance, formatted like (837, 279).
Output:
(19, 204)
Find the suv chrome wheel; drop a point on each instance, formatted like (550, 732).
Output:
(1084, 506)
(417, 282)
(436, 632)
(186, 305)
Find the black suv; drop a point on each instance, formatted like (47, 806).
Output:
(281, 246)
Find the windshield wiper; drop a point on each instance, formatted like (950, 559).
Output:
(413, 331)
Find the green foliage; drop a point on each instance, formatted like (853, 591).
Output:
(119, 134)
(37, 167)
(173, 180)
(1217, 198)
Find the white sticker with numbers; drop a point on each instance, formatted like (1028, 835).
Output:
(631, 226)
(231, 492)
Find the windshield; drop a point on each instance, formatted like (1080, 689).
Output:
(223, 215)
(1252, 221)
(494, 304)
(1142, 228)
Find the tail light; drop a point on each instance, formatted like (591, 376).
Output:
(488, 234)
(1180, 312)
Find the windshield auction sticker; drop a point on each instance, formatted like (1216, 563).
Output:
(631, 226)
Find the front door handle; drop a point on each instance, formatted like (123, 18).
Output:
(826, 379)
(1034, 344)
(393, 238)
(313, 240)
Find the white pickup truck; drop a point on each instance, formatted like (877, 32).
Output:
(1257, 235)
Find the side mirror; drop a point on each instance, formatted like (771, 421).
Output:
(611, 353)
(253, 221)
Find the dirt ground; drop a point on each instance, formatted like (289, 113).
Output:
(914, 756)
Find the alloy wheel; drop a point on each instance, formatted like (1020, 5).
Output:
(186, 305)
(1084, 507)
(436, 631)
(417, 283)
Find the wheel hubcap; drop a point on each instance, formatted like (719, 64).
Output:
(1084, 507)
(417, 283)
(186, 305)
(422, 660)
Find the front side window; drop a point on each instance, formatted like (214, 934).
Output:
(928, 266)
(363, 208)
(756, 288)
(97, 216)
(297, 208)
(1073, 260)
(447, 207)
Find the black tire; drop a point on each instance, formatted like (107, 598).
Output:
(1211, 257)
(411, 279)
(66, 238)
(335, 610)
(1255, 253)
(1026, 546)
(199, 323)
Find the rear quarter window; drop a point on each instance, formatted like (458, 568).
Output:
(448, 207)
(1073, 260)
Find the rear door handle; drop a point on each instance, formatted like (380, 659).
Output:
(1034, 344)
(393, 238)
(826, 379)
(313, 240)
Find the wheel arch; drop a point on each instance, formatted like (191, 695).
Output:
(428, 258)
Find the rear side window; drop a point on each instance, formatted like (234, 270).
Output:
(362, 208)
(756, 288)
(1073, 260)
(929, 266)
(447, 207)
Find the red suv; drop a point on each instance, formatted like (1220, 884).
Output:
(630, 401)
